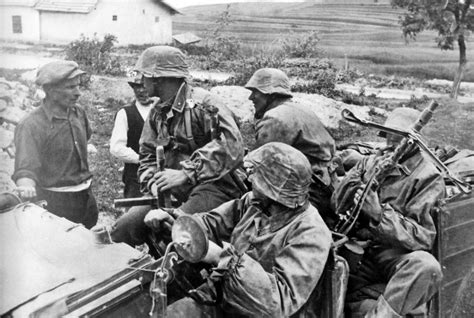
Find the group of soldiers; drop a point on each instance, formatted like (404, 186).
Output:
(268, 214)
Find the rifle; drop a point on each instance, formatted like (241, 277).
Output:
(411, 138)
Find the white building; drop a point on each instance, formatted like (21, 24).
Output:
(62, 21)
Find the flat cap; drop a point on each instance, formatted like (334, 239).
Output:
(54, 72)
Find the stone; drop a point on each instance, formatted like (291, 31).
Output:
(12, 115)
(3, 105)
(327, 109)
(6, 138)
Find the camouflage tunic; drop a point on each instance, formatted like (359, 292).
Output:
(299, 127)
(407, 196)
(274, 262)
(201, 157)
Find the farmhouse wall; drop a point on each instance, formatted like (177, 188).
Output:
(29, 21)
(133, 22)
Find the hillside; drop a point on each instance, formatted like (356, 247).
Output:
(368, 34)
(252, 20)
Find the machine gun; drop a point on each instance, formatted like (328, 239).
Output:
(162, 200)
(411, 138)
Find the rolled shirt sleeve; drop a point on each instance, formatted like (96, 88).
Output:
(118, 140)
(28, 154)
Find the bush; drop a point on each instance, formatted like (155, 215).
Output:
(94, 56)
(221, 48)
(244, 67)
(323, 83)
(319, 76)
(303, 45)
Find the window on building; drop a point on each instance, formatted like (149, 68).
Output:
(16, 24)
(114, 18)
(157, 19)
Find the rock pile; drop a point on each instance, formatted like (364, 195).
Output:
(16, 100)
(328, 110)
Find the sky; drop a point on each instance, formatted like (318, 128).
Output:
(186, 3)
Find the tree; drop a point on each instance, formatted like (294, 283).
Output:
(453, 19)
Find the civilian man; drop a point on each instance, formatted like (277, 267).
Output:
(51, 147)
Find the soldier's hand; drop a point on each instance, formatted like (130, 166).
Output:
(26, 188)
(26, 192)
(169, 178)
(144, 179)
(371, 206)
(158, 218)
(154, 100)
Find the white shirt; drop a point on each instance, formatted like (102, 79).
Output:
(118, 139)
(75, 188)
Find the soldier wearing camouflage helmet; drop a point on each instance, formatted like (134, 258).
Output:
(278, 243)
(199, 157)
(278, 118)
(397, 224)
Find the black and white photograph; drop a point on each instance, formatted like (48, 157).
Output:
(237, 158)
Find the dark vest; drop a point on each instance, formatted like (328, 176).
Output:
(135, 127)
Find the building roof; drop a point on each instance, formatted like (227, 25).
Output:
(186, 38)
(169, 7)
(80, 6)
(21, 3)
(76, 6)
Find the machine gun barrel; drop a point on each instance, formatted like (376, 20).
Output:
(411, 137)
(414, 137)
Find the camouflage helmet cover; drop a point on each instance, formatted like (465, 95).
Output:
(270, 81)
(162, 61)
(401, 118)
(280, 172)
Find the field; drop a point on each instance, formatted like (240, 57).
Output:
(368, 35)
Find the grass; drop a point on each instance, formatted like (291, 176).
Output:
(369, 35)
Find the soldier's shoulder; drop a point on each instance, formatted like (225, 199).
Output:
(289, 111)
(206, 101)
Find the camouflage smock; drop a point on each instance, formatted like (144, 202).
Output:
(202, 158)
(408, 196)
(299, 127)
(274, 262)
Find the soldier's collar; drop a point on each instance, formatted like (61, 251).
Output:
(285, 216)
(181, 97)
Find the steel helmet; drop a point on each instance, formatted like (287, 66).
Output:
(280, 172)
(401, 118)
(162, 61)
(270, 81)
